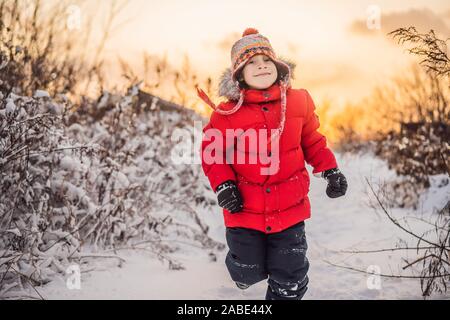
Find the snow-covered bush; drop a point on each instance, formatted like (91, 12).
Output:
(98, 176)
(416, 152)
(32, 218)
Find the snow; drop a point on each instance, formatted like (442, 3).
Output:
(346, 223)
(10, 106)
(41, 94)
(438, 194)
(16, 231)
(69, 163)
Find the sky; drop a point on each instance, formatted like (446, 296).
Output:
(339, 58)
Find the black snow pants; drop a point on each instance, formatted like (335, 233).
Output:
(281, 257)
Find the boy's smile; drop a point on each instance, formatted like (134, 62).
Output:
(263, 74)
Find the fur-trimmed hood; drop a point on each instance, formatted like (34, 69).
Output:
(229, 89)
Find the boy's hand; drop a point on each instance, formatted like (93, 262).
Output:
(337, 183)
(229, 197)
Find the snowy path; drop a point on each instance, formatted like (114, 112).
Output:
(337, 224)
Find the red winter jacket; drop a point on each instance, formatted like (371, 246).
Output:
(274, 202)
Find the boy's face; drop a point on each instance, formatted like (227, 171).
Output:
(260, 72)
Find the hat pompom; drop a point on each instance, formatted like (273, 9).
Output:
(249, 31)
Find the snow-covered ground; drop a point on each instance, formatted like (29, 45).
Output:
(346, 223)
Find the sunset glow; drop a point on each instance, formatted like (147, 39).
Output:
(338, 57)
